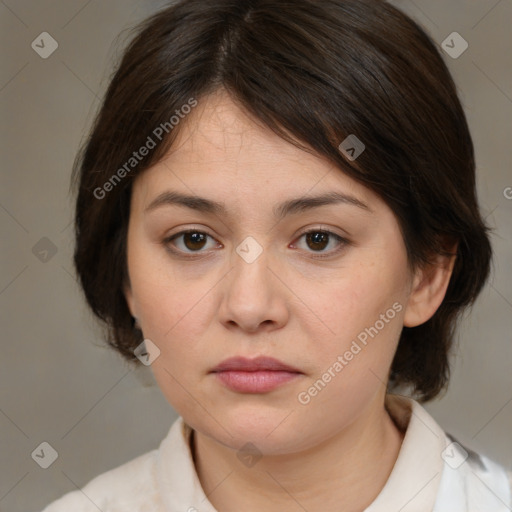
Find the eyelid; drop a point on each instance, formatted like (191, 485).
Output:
(324, 229)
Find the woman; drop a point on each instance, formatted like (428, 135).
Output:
(277, 211)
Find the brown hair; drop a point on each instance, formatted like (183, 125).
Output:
(314, 73)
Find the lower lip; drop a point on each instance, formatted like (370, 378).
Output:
(255, 382)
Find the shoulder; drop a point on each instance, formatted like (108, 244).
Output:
(472, 479)
(157, 481)
(116, 490)
(463, 479)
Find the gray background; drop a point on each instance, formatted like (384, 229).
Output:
(58, 383)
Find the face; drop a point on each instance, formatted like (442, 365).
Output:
(323, 288)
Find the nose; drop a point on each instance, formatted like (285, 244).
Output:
(254, 297)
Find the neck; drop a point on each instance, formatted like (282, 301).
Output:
(345, 472)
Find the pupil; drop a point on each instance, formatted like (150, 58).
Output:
(196, 239)
(318, 237)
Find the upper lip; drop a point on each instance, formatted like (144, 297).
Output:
(253, 365)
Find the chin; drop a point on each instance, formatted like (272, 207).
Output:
(265, 430)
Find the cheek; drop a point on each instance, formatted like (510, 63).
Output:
(363, 316)
(175, 316)
(166, 300)
(174, 313)
(365, 312)
(358, 299)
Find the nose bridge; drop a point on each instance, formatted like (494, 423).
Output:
(250, 261)
(250, 295)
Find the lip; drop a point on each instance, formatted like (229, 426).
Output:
(260, 363)
(259, 375)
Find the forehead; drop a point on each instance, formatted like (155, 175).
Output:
(222, 152)
(218, 132)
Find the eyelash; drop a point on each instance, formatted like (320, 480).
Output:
(343, 242)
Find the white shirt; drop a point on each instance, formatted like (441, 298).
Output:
(433, 473)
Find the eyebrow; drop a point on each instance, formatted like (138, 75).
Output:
(288, 207)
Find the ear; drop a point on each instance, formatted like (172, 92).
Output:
(429, 287)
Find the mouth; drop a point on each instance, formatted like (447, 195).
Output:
(259, 375)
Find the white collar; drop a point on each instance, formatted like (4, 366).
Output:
(413, 483)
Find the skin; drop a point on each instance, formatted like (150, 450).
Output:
(336, 452)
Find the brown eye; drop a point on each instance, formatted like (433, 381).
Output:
(317, 240)
(192, 241)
